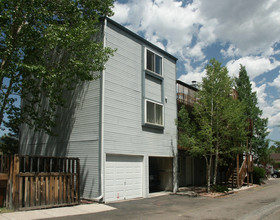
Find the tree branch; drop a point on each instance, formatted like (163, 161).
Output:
(5, 101)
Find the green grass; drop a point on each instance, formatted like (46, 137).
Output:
(5, 210)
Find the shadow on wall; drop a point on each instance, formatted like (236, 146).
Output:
(84, 176)
(152, 130)
(39, 143)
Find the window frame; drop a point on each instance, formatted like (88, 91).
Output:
(155, 116)
(146, 61)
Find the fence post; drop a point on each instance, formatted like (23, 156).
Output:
(20, 184)
(9, 201)
(16, 182)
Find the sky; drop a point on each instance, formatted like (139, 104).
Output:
(234, 32)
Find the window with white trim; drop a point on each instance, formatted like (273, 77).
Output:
(153, 62)
(154, 113)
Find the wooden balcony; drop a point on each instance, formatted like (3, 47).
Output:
(186, 94)
(185, 99)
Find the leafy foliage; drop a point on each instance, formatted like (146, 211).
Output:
(9, 144)
(45, 46)
(219, 188)
(187, 129)
(275, 148)
(218, 120)
(258, 174)
(257, 138)
(264, 155)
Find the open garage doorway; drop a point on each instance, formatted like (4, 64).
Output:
(160, 174)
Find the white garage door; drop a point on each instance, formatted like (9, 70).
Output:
(123, 177)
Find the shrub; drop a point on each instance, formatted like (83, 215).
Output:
(258, 174)
(219, 188)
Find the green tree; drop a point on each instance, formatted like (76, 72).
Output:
(275, 148)
(45, 46)
(257, 138)
(218, 123)
(264, 156)
(9, 144)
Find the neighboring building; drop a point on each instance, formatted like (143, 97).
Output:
(191, 170)
(121, 126)
(275, 157)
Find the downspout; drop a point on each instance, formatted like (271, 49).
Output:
(100, 198)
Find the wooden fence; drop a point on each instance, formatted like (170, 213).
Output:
(41, 182)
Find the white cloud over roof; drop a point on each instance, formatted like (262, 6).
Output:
(255, 65)
(247, 31)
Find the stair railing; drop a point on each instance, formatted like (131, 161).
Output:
(242, 172)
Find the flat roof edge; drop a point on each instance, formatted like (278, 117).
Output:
(186, 85)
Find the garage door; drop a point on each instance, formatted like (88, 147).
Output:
(123, 177)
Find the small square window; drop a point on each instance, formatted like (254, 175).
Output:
(154, 113)
(153, 62)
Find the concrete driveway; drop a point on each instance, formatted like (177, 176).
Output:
(262, 202)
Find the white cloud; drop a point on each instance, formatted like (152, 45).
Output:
(231, 51)
(169, 20)
(192, 76)
(248, 32)
(273, 113)
(255, 66)
(276, 82)
(251, 25)
(261, 95)
(274, 135)
(270, 111)
(274, 120)
(121, 12)
(196, 52)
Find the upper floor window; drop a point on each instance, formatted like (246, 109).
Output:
(154, 113)
(153, 62)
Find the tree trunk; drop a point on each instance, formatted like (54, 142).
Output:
(208, 172)
(216, 167)
(5, 100)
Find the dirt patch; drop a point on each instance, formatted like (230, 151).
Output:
(200, 191)
(215, 194)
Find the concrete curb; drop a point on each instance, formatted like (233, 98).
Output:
(57, 212)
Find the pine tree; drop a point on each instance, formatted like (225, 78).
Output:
(257, 138)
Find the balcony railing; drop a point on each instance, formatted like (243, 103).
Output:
(186, 99)
(186, 94)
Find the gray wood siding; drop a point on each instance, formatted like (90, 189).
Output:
(123, 131)
(123, 110)
(153, 88)
(78, 136)
(79, 126)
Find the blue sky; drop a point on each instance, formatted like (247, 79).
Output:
(234, 32)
